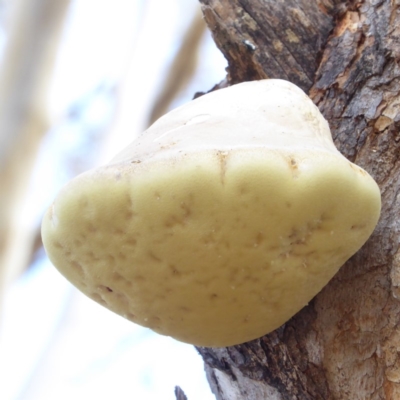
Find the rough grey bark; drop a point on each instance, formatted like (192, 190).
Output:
(345, 344)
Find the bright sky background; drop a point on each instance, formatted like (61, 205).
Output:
(56, 343)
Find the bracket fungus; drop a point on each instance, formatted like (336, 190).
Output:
(220, 222)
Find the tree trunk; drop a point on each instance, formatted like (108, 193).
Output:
(346, 343)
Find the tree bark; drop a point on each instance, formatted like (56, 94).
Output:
(345, 344)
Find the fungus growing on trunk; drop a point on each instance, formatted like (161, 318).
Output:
(220, 222)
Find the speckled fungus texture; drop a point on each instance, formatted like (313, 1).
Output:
(219, 222)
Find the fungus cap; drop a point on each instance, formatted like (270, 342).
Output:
(220, 222)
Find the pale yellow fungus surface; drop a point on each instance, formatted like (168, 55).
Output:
(220, 222)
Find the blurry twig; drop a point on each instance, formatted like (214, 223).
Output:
(27, 64)
(182, 67)
(179, 394)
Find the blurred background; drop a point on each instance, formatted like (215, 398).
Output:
(79, 79)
